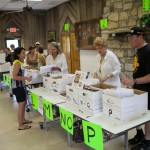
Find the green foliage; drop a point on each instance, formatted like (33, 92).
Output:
(144, 21)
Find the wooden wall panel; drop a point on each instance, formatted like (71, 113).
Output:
(73, 11)
(32, 27)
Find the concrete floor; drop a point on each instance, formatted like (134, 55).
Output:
(35, 138)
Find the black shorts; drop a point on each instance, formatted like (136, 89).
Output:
(20, 94)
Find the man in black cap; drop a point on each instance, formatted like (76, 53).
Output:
(141, 81)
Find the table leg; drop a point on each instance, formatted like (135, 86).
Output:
(69, 139)
(1, 83)
(126, 140)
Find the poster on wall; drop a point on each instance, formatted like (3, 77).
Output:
(52, 34)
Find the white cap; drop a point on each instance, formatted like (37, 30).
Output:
(37, 43)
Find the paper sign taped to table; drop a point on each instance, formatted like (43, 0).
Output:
(47, 107)
(93, 136)
(66, 120)
(34, 99)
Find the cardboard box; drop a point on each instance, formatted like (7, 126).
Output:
(47, 83)
(72, 94)
(127, 108)
(88, 112)
(59, 84)
(36, 77)
(90, 99)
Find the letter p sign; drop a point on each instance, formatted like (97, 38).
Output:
(93, 136)
(91, 132)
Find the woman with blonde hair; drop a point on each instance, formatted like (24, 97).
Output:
(108, 66)
(56, 57)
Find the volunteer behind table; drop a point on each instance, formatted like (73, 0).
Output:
(141, 81)
(8, 57)
(56, 57)
(108, 66)
(18, 86)
(32, 57)
(41, 57)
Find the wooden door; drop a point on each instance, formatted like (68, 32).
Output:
(68, 45)
(75, 54)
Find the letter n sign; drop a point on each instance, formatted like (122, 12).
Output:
(93, 136)
(66, 120)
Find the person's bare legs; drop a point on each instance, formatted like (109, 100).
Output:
(23, 115)
(20, 114)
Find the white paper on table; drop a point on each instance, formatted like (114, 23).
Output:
(46, 69)
(119, 92)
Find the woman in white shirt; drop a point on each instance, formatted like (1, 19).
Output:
(57, 58)
(108, 66)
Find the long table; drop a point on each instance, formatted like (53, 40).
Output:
(117, 128)
(49, 96)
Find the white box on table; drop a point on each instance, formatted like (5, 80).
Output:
(88, 112)
(72, 94)
(36, 77)
(47, 83)
(59, 84)
(10, 69)
(90, 99)
(127, 108)
(4, 67)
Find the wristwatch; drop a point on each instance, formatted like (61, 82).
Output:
(135, 81)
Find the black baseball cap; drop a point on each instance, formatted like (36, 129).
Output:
(136, 30)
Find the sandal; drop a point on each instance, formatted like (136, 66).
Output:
(24, 128)
(27, 122)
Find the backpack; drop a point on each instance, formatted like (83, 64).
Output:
(78, 136)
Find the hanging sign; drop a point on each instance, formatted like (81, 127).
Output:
(48, 110)
(103, 23)
(34, 99)
(93, 135)
(66, 120)
(146, 5)
(66, 26)
(12, 29)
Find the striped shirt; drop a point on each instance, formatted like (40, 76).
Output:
(18, 83)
